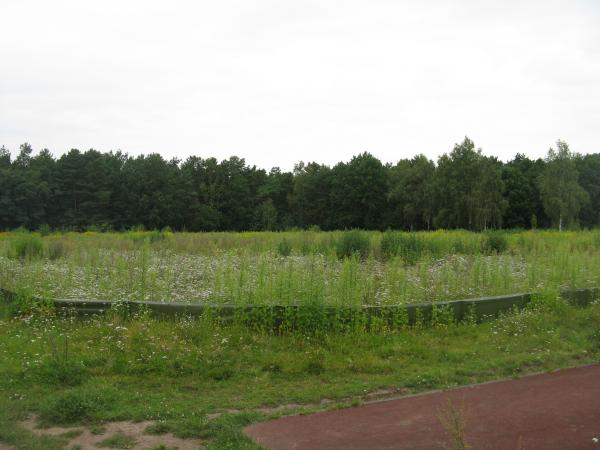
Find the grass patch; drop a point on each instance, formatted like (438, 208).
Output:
(341, 268)
(117, 440)
(72, 434)
(158, 428)
(75, 406)
(164, 370)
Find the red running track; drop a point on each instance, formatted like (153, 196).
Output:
(558, 410)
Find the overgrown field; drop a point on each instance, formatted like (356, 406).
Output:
(299, 267)
(198, 377)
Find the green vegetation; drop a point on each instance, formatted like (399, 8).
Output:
(197, 377)
(181, 372)
(349, 268)
(26, 246)
(118, 440)
(465, 189)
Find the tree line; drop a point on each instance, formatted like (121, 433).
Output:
(463, 189)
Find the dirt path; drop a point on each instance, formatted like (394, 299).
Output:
(133, 434)
(558, 410)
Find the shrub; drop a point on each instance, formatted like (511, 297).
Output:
(351, 243)
(28, 246)
(284, 248)
(495, 242)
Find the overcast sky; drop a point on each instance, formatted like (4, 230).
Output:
(277, 82)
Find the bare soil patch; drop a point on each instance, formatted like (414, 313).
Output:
(88, 438)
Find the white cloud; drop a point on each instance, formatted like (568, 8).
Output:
(278, 82)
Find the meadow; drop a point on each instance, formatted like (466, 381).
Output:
(299, 267)
(196, 377)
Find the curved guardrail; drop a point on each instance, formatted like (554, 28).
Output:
(477, 308)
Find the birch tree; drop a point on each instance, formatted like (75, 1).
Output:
(561, 193)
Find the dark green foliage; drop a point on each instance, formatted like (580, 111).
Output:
(358, 194)
(525, 207)
(411, 194)
(465, 189)
(469, 189)
(588, 167)
(495, 242)
(353, 243)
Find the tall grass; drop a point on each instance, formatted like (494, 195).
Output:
(342, 268)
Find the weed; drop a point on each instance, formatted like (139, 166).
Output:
(59, 368)
(158, 428)
(353, 243)
(452, 418)
(74, 406)
(55, 249)
(406, 245)
(59, 372)
(495, 242)
(27, 246)
(72, 433)
(314, 367)
(221, 373)
(284, 248)
(97, 430)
